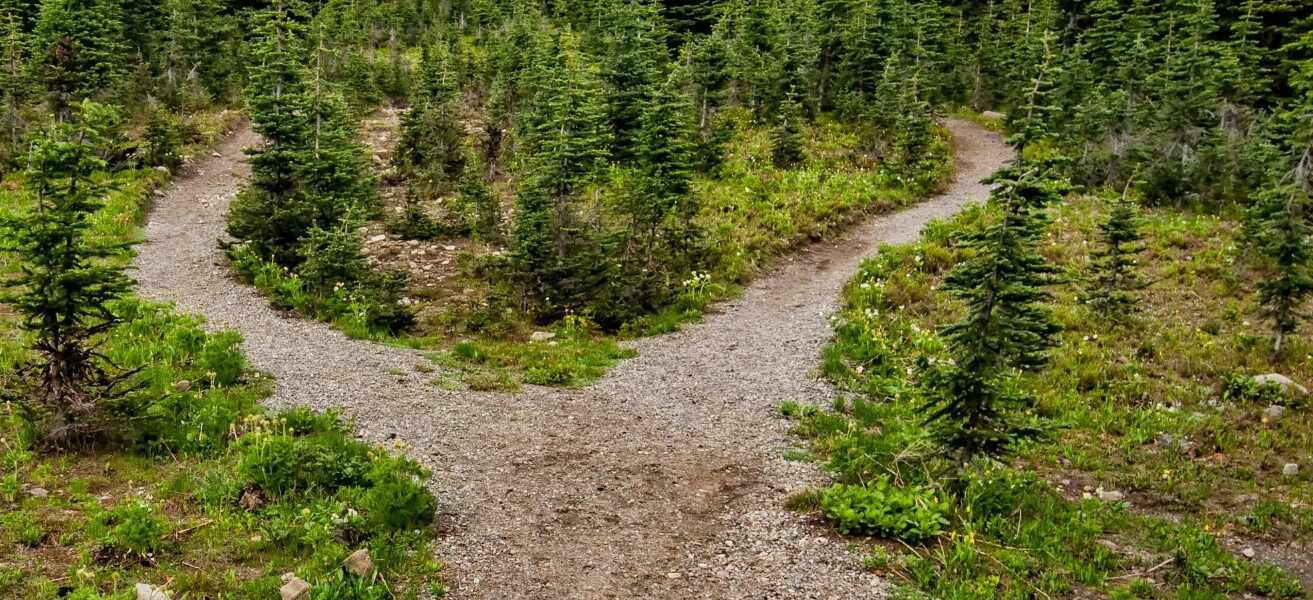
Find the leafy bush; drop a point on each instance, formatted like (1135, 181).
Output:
(396, 500)
(880, 508)
(135, 527)
(281, 464)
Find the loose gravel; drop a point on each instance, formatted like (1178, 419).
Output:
(664, 480)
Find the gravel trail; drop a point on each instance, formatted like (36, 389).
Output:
(664, 480)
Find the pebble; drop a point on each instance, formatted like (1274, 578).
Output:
(1248, 553)
(1290, 469)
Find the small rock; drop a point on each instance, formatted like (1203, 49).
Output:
(448, 248)
(1285, 383)
(1165, 439)
(1111, 495)
(162, 169)
(990, 114)
(182, 385)
(37, 492)
(541, 336)
(1273, 413)
(295, 589)
(146, 591)
(378, 238)
(1248, 553)
(1109, 544)
(673, 575)
(358, 562)
(1290, 470)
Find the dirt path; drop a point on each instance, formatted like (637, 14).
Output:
(664, 480)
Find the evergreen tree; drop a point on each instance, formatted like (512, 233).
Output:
(976, 406)
(1115, 281)
(1281, 220)
(67, 283)
(78, 47)
(786, 149)
(632, 52)
(272, 213)
(555, 246)
(658, 208)
(15, 83)
(484, 203)
(432, 135)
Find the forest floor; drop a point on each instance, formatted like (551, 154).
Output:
(666, 479)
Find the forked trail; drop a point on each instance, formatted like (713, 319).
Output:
(664, 480)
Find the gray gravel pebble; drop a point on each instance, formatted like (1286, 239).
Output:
(664, 480)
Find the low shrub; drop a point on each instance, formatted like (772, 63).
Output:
(881, 508)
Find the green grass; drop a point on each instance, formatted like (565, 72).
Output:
(577, 356)
(1177, 368)
(166, 507)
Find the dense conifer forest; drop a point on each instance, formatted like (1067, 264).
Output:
(1083, 379)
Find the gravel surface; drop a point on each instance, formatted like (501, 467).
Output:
(663, 480)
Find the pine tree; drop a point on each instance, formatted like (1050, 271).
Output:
(632, 52)
(1281, 220)
(272, 213)
(484, 203)
(67, 283)
(15, 83)
(1284, 216)
(555, 246)
(976, 406)
(431, 149)
(786, 149)
(1116, 279)
(78, 47)
(659, 206)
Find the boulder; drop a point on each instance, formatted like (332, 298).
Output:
(358, 563)
(1286, 384)
(541, 336)
(146, 591)
(990, 114)
(295, 588)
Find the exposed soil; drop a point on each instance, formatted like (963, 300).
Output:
(664, 480)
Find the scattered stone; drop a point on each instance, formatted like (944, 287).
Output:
(379, 238)
(1273, 413)
(673, 575)
(1111, 495)
(37, 492)
(541, 336)
(990, 114)
(146, 591)
(448, 248)
(1286, 384)
(295, 588)
(182, 385)
(358, 563)
(1248, 553)
(1165, 439)
(1290, 470)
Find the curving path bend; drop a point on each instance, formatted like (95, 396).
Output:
(664, 480)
